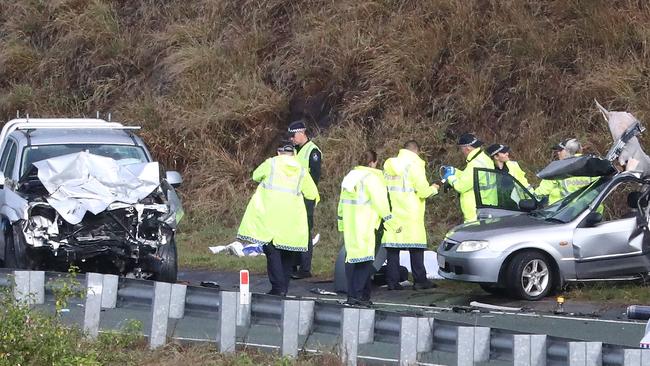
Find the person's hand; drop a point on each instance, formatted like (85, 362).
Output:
(436, 186)
(447, 171)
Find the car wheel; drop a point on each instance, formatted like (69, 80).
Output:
(169, 267)
(493, 289)
(530, 276)
(16, 255)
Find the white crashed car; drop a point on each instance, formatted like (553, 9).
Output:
(85, 192)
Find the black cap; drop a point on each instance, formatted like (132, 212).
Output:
(286, 146)
(561, 145)
(468, 139)
(497, 148)
(297, 126)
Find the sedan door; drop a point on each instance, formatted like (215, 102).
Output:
(498, 193)
(613, 246)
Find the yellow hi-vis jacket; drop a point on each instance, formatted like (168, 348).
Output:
(557, 189)
(362, 206)
(407, 188)
(463, 183)
(515, 170)
(304, 152)
(276, 212)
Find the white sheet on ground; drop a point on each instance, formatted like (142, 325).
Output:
(430, 263)
(83, 182)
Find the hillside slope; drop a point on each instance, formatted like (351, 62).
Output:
(215, 83)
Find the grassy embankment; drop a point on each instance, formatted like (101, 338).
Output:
(214, 83)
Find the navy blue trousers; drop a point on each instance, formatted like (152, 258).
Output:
(417, 266)
(278, 267)
(358, 279)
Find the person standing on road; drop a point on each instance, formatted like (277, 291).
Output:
(310, 157)
(463, 180)
(557, 189)
(276, 216)
(408, 189)
(363, 206)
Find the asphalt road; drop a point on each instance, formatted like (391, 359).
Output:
(580, 321)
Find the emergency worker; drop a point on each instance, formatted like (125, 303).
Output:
(407, 189)
(276, 216)
(557, 189)
(501, 155)
(309, 156)
(463, 180)
(362, 207)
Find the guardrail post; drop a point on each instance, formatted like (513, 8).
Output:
(472, 345)
(366, 326)
(306, 320)
(349, 336)
(93, 307)
(585, 353)
(177, 301)
(109, 291)
(29, 287)
(227, 322)
(636, 357)
(529, 350)
(37, 286)
(290, 324)
(408, 341)
(21, 286)
(159, 314)
(425, 334)
(243, 311)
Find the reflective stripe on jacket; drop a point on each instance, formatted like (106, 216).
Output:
(463, 183)
(276, 212)
(362, 206)
(407, 188)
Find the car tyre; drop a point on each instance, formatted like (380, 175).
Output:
(169, 267)
(16, 253)
(530, 276)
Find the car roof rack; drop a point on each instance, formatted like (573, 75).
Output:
(58, 123)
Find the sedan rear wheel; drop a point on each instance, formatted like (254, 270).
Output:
(530, 276)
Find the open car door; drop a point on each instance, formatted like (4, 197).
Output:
(498, 193)
(613, 241)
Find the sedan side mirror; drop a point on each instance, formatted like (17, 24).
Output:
(593, 218)
(174, 178)
(527, 205)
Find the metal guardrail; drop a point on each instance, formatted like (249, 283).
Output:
(176, 311)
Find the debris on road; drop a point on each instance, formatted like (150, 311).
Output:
(493, 307)
(320, 291)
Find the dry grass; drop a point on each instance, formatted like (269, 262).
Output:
(215, 82)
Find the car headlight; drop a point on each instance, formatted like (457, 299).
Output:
(472, 245)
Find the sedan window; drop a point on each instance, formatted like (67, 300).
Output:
(574, 204)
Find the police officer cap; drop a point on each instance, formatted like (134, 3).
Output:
(286, 147)
(468, 139)
(497, 148)
(297, 126)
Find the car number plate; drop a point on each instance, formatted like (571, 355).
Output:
(441, 261)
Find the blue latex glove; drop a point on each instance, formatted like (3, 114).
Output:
(446, 171)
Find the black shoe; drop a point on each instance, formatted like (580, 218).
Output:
(397, 287)
(277, 293)
(424, 286)
(300, 275)
(357, 303)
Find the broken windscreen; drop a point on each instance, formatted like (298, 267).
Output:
(125, 154)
